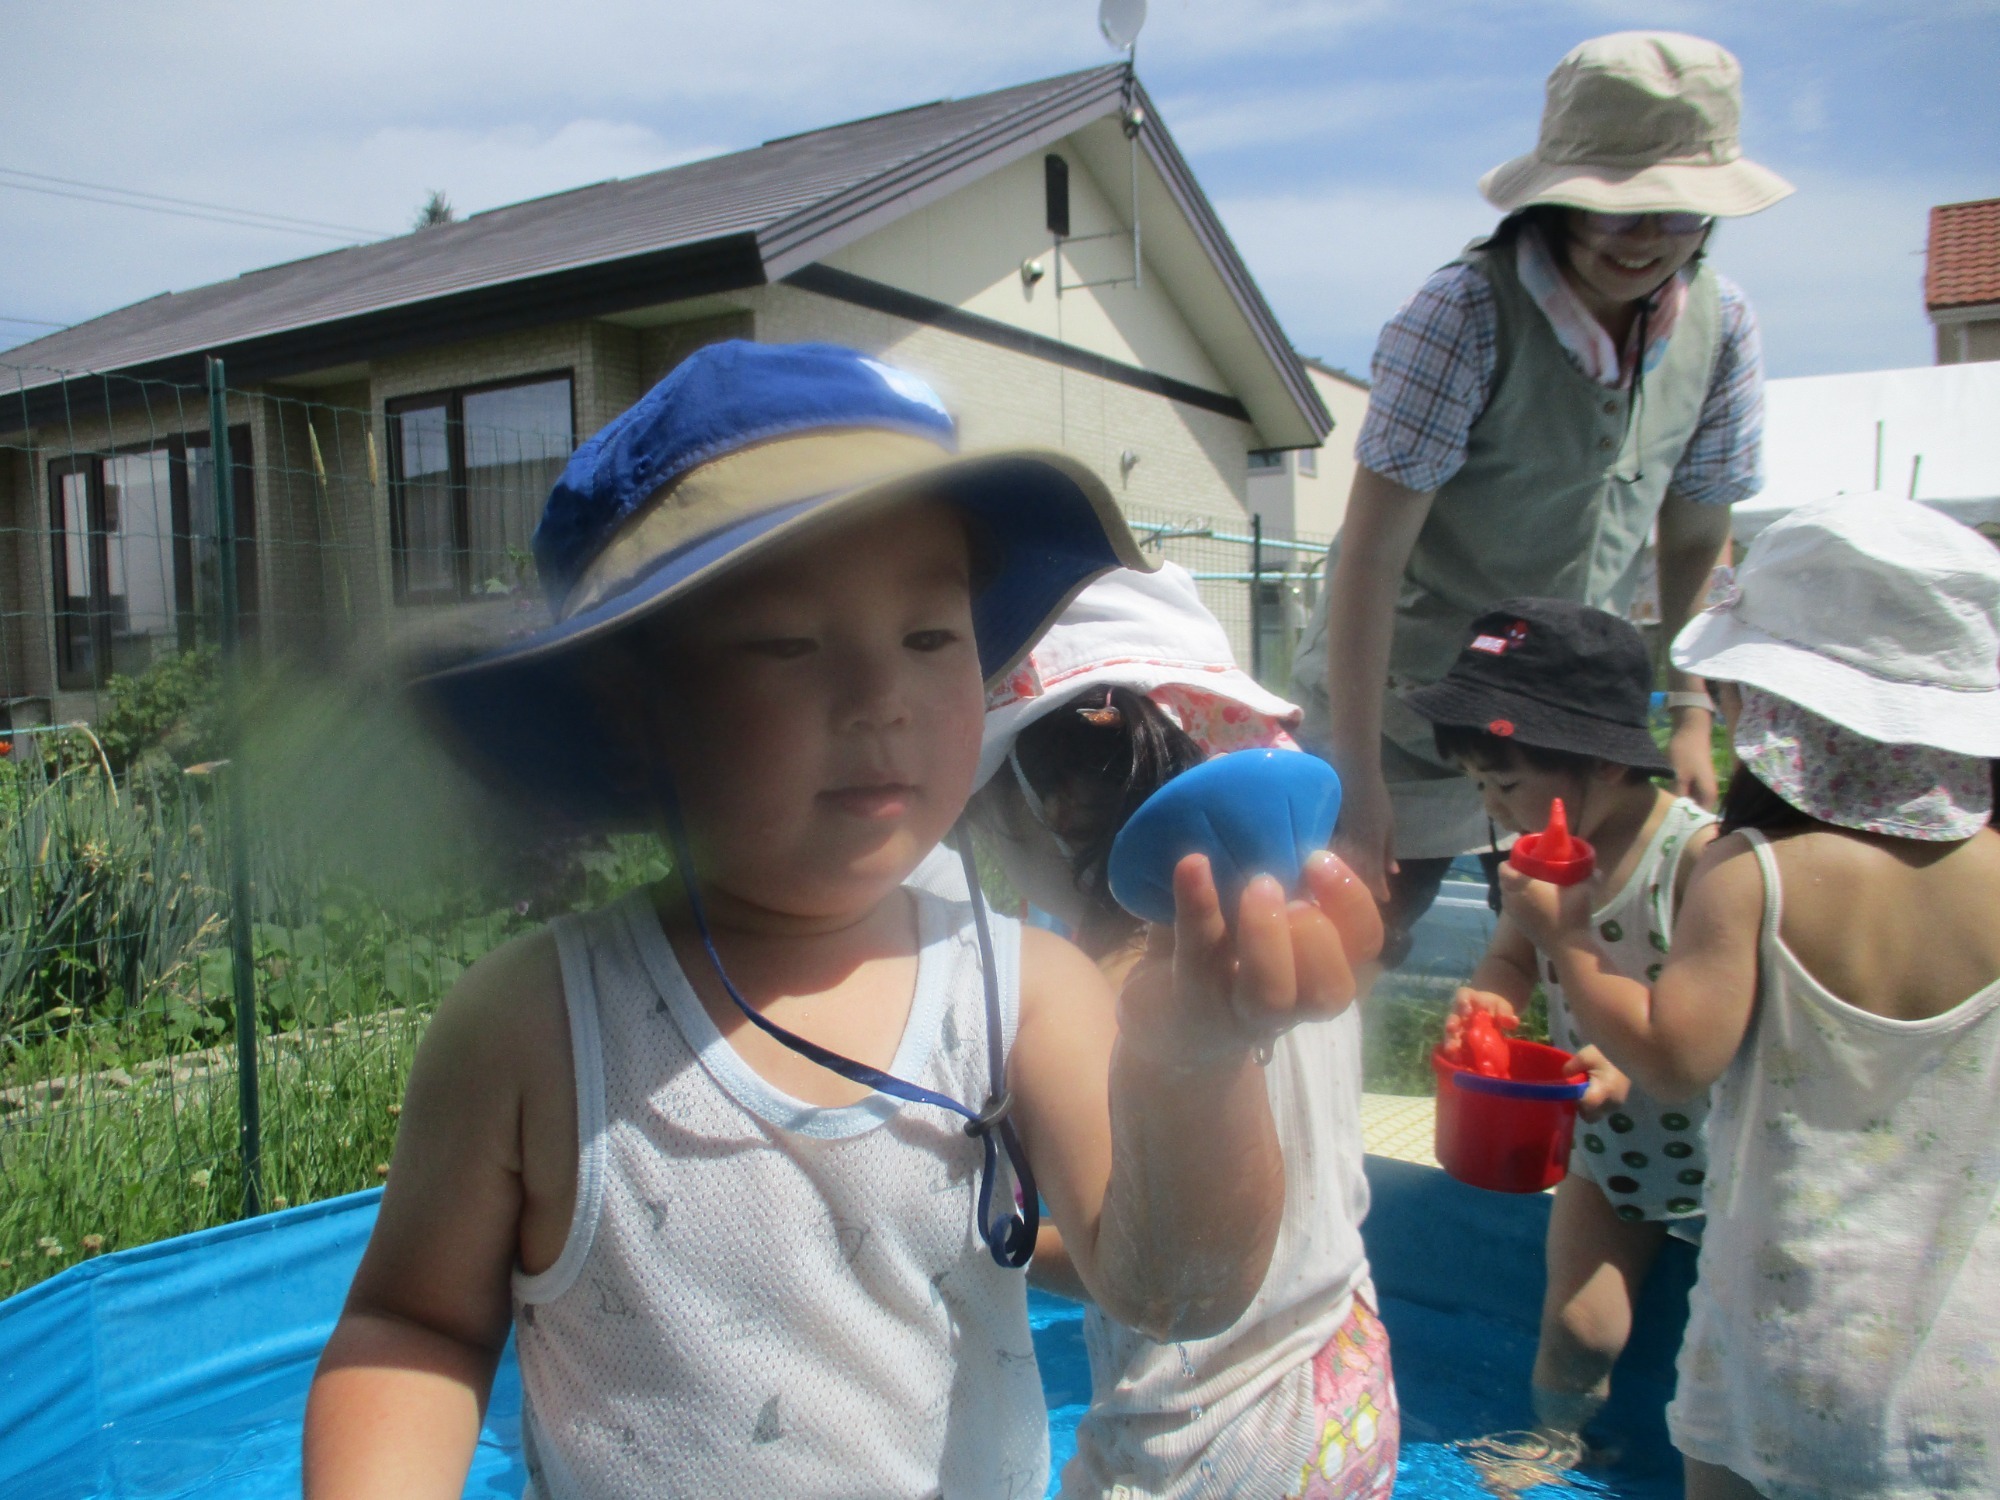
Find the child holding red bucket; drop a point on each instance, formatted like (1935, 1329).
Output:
(736, 1159)
(1135, 684)
(1550, 700)
(1836, 977)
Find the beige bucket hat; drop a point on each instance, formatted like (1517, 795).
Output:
(1640, 122)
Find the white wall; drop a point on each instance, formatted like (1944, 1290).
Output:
(1820, 434)
(1295, 503)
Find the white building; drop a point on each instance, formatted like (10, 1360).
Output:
(1303, 492)
(1931, 433)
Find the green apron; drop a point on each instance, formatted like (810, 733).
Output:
(1557, 499)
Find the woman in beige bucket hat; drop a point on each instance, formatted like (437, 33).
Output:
(1569, 381)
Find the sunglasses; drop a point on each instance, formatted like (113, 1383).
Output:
(1672, 223)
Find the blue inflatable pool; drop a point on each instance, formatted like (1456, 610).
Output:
(180, 1369)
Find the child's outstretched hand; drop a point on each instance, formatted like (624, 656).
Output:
(1204, 995)
(1543, 911)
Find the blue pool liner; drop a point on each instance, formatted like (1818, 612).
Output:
(180, 1369)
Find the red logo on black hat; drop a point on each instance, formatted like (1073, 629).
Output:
(1501, 727)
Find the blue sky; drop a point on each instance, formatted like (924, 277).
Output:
(1340, 139)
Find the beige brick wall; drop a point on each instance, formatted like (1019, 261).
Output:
(667, 344)
(290, 500)
(611, 376)
(351, 515)
(1190, 461)
(536, 351)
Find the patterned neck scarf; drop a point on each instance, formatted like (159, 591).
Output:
(1578, 330)
(1840, 777)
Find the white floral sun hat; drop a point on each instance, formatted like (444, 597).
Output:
(1149, 632)
(1872, 611)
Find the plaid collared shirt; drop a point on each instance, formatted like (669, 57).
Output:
(1434, 369)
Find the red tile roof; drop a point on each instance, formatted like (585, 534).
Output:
(1962, 264)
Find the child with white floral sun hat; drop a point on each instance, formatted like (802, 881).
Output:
(1134, 684)
(1840, 1336)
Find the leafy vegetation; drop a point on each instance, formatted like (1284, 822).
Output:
(171, 713)
(118, 1086)
(104, 899)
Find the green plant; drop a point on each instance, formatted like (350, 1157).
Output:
(121, 1157)
(1403, 1019)
(103, 898)
(173, 707)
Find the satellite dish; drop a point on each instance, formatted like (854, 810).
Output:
(1120, 21)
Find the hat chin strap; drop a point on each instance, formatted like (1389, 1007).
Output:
(1010, 1234)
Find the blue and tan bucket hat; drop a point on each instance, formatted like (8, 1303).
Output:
(742, 448)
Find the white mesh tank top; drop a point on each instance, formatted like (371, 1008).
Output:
(1840, 1338)
(762, 1297)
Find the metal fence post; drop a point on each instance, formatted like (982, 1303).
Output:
(1257, 597)
(249, 1124)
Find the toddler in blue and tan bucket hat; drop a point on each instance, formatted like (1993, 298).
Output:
(748, 1162)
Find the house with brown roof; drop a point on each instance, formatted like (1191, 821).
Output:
(397, 410)
(1962, 280)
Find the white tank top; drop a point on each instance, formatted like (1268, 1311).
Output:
(761, 1297)
(1234, 1414)
(1841, 1338)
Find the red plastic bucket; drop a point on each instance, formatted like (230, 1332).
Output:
(1508, 1134)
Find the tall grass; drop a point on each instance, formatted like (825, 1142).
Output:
(118, 1081)
(105, 897)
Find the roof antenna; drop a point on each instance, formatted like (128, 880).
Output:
(1120, 21)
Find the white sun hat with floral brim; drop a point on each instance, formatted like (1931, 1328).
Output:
(1640, 122)
(1870, 610)
(1151, 633)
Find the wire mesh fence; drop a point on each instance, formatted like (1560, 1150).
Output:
(209, 1001)
(1261, 587)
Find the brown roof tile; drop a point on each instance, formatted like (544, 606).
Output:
(1962, 264)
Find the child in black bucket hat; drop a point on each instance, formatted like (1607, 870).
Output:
(1551, 699)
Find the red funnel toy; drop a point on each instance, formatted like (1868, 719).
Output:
(1553, 855)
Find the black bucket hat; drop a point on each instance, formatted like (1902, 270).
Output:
(1555, 675)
